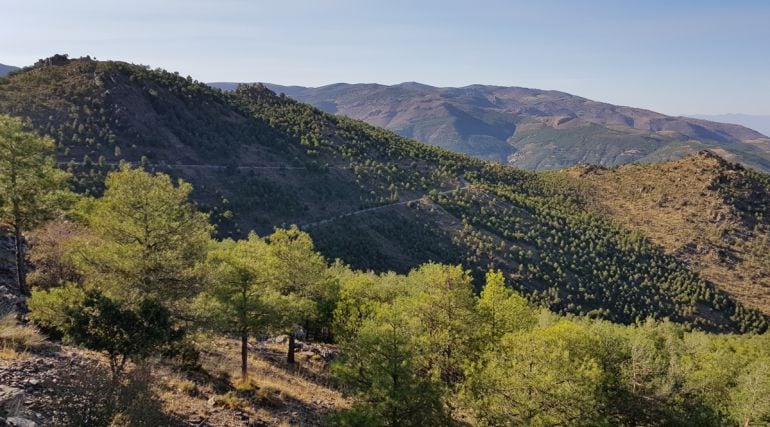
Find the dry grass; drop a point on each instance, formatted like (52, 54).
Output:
(673, 205)
(274, 393)
(16, 338)
(157, 393)
(8, 353)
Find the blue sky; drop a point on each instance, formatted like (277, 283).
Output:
(674, 56)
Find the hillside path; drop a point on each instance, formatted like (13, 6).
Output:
(465, 185)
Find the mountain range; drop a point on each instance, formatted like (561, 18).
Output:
(760, 123)
(684, 240)
(5, 69)
(530, 128)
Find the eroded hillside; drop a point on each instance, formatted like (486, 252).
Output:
(710, 213)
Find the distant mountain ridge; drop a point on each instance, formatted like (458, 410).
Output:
(530, 128)
(6, 69)
(760, 123)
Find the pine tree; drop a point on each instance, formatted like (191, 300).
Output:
(148, 237)
(240, 297)
(32, 189)
(302, 273)
(502, 310)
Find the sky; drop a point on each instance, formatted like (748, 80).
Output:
(672, 56)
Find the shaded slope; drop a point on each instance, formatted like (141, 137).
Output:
(260, 160)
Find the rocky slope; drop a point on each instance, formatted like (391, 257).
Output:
(59, 385)
(530, 128)
(712, 214)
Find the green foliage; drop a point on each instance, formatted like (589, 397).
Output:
(31, 187)
(239, 291)
(101, 324)
(147, 237)
(242, 297)
(378, 365)
(443, 302)
(748, 400)
(361, 294)
(550, 376)
(48, 308)
(502, 310)
(30, 184)
(493, 360)
(301, 272)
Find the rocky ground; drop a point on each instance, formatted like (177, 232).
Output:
(61, 386)
(56, 386)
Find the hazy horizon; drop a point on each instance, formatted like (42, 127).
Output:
(688, 57)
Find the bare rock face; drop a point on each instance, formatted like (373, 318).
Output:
(56, 60)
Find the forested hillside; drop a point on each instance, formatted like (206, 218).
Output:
(257, 160)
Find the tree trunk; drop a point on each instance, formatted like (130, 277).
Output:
(244, 355)
(290, 353)
(21, 276)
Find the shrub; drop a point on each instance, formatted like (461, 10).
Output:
(101, 324)
(231, 400)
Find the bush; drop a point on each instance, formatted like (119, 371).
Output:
(231, 400)
(101, 324)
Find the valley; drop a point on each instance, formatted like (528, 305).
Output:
(210, 257)
(314, 166)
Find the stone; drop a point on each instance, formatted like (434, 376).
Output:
(195, 420)
(282, 339)
(11, 399)
(20, 422)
